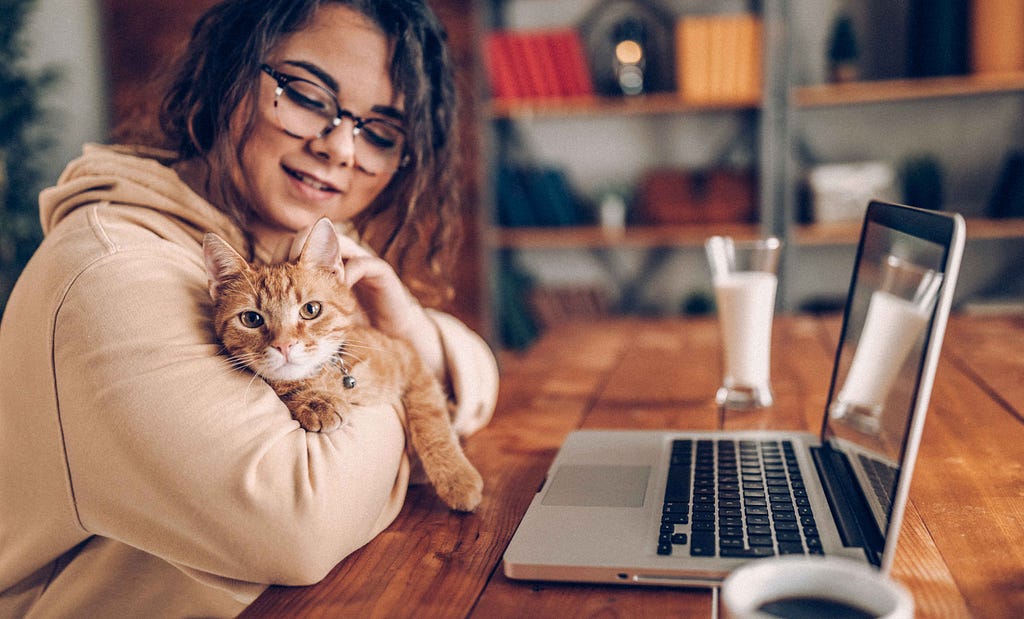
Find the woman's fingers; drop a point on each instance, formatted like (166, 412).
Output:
(378, 273)
(350, 248)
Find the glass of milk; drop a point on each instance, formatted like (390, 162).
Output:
(897, 314)
(744, 274)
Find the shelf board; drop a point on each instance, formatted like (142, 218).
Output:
(982, 228)
(595, 237)
(847, 233)
(694, 235)
(884, 91)
(839, 233)
(655, 103)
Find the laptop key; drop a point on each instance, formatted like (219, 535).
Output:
(754, 552)
(731, 532)
(791, 548)
(702, 544)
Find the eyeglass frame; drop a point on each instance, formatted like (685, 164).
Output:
(358, 122)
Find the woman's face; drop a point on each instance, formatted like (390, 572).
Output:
(294, 181)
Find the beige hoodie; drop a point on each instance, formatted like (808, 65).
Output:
(139, 475)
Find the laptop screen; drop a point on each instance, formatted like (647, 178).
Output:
(881, 360)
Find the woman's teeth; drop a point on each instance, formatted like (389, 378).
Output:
(312, 182)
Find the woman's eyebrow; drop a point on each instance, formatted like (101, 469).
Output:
(387, 110)
(320, 74)
(323, 76)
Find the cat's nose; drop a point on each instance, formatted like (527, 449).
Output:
(284, 348)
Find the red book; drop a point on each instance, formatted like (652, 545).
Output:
(508, 80)
(531, 60)
(499, 70)
(552, 79)
(571, 62)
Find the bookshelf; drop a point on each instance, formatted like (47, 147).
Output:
(966, 124)
(973, 121)
(655, 129)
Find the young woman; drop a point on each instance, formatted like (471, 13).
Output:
(139, 474)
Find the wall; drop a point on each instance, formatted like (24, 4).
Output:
(67, 34)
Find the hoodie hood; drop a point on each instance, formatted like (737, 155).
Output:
(140, 184)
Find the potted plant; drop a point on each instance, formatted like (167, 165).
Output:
(22, 145)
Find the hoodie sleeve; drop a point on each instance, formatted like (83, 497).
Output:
(472, 372)
(173, 451)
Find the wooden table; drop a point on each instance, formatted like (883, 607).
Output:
(961, 551)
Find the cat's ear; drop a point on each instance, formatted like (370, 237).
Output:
(321, 249)
(222, 262)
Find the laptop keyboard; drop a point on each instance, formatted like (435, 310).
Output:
(743, 499)
(882, 477)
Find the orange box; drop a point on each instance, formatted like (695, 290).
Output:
(719, 58)
(674, 196)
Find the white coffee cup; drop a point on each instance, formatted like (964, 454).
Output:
(813, 587)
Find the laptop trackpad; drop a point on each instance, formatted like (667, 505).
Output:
(591, 485)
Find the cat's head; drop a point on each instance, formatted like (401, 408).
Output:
(283, 321)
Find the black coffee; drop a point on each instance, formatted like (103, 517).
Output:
(813, 608)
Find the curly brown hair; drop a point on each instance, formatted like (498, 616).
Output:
(415, 221)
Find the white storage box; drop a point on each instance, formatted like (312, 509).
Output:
(841, 192)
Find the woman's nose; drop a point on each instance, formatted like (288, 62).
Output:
(339, 145)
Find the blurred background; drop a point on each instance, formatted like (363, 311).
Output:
(606, 139)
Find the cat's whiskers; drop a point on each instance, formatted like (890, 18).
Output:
(362, 346)
(365, 349)
(235, 365)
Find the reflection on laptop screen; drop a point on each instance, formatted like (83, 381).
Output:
(881, 358)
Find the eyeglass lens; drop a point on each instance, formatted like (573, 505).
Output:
(307, 110)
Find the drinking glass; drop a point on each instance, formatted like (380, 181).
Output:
(897, 314)
(744, 274)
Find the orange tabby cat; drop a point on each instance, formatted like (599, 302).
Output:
(296, 325)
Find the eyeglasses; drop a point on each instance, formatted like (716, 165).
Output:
(307, 110)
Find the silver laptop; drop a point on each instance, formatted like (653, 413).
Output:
(685, 508)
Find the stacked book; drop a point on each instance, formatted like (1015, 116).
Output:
(718, 59)
(535, 195)
(537, 64)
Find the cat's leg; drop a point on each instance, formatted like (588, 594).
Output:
(454, 478)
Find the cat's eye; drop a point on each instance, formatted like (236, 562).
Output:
(310, 310)
(251, 319)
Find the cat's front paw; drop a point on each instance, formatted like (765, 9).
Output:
(317, 415)
(462, 491)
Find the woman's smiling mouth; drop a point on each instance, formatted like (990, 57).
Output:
(310, 181)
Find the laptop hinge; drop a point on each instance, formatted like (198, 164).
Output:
(850, 508)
